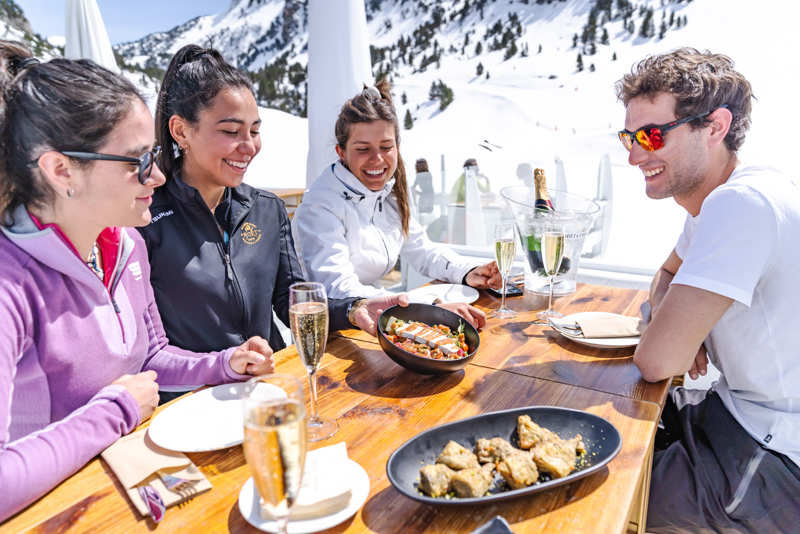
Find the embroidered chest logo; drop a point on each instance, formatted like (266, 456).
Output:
(251, 234)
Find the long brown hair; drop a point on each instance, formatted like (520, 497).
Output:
(367, 106)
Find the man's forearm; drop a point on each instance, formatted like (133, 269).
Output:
(659, 287)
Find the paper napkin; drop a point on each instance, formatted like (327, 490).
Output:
(136, 461)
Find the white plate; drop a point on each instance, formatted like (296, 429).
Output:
(208, 420)
(359, 480)
(596, 342)
(447, 292)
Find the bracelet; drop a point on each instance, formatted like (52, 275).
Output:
(352, 308)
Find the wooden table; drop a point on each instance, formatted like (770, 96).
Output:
(380, 405)
(291, 196)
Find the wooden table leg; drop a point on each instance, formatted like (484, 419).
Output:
(637, 521)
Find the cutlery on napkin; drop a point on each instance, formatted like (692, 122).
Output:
(603, 325)
(139, 463)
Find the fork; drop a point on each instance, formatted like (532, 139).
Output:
(175, 483)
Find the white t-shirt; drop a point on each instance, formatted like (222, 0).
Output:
(745, 244)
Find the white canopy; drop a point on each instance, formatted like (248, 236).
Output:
(86, 34)
(338, 66)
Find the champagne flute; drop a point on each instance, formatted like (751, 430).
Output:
(275, 442)
(552, 254)
(504, 252)
(308, 320)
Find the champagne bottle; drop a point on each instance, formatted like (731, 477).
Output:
(542, 206)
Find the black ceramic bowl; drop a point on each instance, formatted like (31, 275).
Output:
(431, 315)
(601, 438)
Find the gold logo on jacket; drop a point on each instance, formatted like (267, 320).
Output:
(251, 234)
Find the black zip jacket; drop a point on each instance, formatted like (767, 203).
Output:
(214, 293)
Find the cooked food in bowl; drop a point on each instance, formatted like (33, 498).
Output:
(437, 342)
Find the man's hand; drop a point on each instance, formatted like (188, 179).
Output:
(700, 364)
(366, 316)
(144, 389)
(485, 276)
(253, 357)
(473, 315)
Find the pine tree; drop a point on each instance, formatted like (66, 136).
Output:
(479, 69)
(408, 122)
(510, 51)
(540, 49)
(591, 67)
(614, 56)
(574, 41)
(487, 74)
(404, 98)
(604, 37)
(663, 30)
(478, 48)
(592, 49)
(580, 63)
(671, 19)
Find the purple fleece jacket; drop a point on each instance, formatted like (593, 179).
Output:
(63, 339)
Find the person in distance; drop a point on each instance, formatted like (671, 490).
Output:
(726, 459)
(354, 221)
(81, 339)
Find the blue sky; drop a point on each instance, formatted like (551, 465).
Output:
(125, 20)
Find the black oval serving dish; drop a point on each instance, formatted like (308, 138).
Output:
(431, 315)
(601, 438)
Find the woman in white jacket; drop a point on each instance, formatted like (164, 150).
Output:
(354, 222)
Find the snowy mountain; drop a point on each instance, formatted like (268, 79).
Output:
(519, 96)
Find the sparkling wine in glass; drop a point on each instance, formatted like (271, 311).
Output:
(552, 254)
(308, 320)
(504, 251)
(275, 442)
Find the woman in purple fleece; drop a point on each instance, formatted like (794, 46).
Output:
(81, 341)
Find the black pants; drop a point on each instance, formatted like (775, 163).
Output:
(709, 475)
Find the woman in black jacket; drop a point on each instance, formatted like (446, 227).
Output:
(222, 252)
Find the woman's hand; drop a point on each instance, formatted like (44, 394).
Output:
(485, 276)
(473, 315)
(253, 357)
(366, 316)
(144, 389)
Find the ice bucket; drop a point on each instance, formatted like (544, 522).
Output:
(574, 213)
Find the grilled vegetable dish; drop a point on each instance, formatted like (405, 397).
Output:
(437, 342)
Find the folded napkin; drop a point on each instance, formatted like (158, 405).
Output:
(325, 489)
(136, 461)
(604, 325)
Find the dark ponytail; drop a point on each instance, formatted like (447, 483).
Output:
(369, 106)
(58, 105)
(194, 77)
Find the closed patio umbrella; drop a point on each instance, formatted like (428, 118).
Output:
(338, 66)
(86, 34)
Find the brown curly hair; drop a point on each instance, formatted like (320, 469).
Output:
(700, 81)
(367, 106)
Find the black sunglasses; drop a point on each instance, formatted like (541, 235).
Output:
(145, 161)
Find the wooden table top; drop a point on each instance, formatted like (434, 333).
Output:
(519, 346)
(379, 405)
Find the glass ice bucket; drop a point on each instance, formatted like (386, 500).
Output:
(574, 213)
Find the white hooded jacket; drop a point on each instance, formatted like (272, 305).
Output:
(349, 237)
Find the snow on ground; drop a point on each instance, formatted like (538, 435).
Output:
(574, 116)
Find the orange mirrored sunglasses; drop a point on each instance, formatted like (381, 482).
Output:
(651, 137)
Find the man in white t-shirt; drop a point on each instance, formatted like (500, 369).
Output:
(726, 459)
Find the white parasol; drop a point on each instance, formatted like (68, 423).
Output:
(338, 66)
(86, 34)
